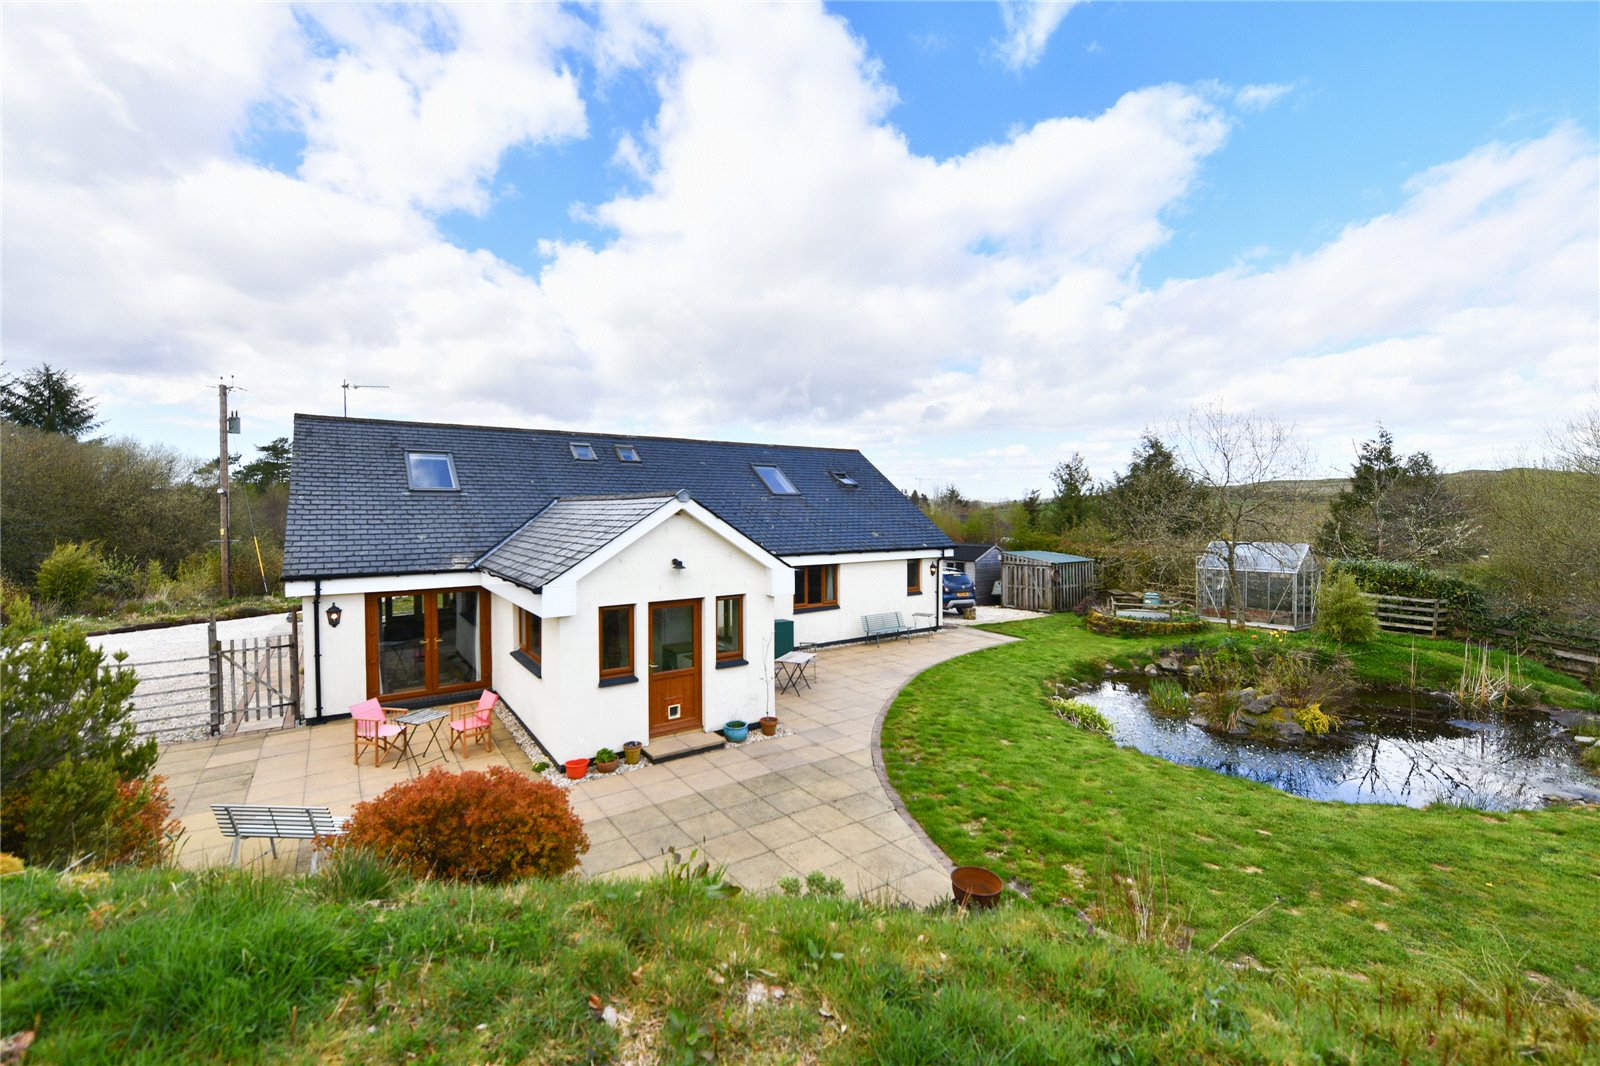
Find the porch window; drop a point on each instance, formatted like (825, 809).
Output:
(730, 628)
(421, 643)
(616, 641)
(530, 635)
(816, 586)
(913, 577)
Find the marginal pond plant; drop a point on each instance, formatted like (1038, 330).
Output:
(1167, 697)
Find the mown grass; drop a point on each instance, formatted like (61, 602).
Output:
(225, 966)
(1385, 892)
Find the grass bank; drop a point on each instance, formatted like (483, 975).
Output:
(224, 966)
(1387, 893)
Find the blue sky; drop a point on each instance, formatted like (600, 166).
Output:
(912, 228)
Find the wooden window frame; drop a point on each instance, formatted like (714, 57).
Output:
(913, 577)
(803, 581)
(530, 635)
(430, 626)
(600, 643)
(738, 649)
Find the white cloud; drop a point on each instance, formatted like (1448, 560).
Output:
(398, 117)
(784, 266)
(1029, 24)
(1260, 97)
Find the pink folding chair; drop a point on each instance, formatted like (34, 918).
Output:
(473, 725)
(374, 729)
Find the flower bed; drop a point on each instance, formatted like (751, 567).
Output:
(1111, 626)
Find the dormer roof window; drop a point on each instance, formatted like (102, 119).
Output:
(431, 471)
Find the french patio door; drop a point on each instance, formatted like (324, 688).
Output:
(427, 643)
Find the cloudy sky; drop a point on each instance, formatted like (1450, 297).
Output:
(969, 239)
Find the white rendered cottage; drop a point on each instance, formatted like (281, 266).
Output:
(608, 588)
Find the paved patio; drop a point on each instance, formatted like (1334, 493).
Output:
(769, 809)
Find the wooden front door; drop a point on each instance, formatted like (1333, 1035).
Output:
(674, 667)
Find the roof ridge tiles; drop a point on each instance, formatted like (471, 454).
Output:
(578, 435)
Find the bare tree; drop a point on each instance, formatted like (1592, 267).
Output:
(1250, 471)
(1541, 524)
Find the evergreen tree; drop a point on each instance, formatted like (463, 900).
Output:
(1071, 504)
(1395, 509)
(48, 399)
(270, 467)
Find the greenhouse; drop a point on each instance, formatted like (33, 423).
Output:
(1276, 584)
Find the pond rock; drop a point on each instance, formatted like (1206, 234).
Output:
(1170, 663)
(1152, 669)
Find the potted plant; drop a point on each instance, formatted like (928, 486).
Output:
(769, 725)
(736, 731)
(631, 751)
(577, 769)
(606, 760)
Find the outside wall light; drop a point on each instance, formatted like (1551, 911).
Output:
(933, 567)
(677, 564)
(334, 614)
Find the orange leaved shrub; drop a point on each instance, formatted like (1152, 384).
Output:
(487, 827)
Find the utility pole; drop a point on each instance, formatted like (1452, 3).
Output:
(222, 488)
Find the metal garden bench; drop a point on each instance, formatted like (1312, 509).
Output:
(885, 624)
(241, 821)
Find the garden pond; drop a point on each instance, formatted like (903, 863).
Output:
(1401, 748)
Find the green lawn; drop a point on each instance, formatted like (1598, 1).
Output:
(998, 781)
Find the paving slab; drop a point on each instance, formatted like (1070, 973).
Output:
(775, 807)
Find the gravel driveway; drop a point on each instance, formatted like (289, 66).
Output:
(172, 699)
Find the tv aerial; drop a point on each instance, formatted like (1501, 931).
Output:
(346, 386)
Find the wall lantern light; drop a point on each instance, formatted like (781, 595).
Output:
(933, 567)
(334, 614)
(677, 564)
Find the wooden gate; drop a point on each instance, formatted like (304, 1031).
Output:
(255, 680)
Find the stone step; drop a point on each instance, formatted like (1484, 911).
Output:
(683, 745)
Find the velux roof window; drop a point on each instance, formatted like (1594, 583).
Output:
(843, 478)
(431, 471)
(628, 453)
(583, 451)
(776, 480)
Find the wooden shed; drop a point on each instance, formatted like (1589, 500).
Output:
(981, 563)
(1045, 581)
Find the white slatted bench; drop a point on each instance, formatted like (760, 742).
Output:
(886, 624)
(241, 821)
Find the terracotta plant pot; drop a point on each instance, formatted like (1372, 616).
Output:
(577, 769)
(609, 766)
(631, 751)
(769, 725)
(975, 887)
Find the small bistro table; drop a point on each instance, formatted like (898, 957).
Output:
(792, 670)
(426, 716)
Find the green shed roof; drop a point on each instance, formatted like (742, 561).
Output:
(1051, 557)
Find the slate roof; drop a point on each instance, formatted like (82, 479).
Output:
(351, 512)
(564, 535)
(1262, 556)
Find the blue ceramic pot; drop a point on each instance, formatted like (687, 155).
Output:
(736, 731)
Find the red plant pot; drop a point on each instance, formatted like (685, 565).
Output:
(577, 769)
(769, 726)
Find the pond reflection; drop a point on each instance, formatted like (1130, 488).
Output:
(1401, 749)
